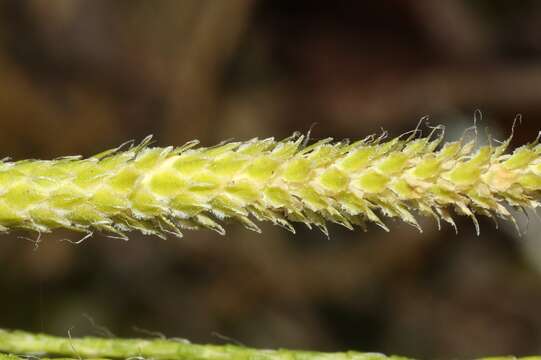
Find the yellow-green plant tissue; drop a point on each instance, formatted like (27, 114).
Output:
(161, 190)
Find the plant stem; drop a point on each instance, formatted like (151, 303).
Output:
(24, 343)
(20, 345)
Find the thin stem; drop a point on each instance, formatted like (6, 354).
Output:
(28, 346)
(24, 343)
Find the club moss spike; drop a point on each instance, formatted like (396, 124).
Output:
(162, 191)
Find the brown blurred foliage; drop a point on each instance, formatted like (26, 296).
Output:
(79, 76)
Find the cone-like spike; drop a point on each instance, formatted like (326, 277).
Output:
(164, 190)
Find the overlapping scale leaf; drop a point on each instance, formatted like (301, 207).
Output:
(164, 190)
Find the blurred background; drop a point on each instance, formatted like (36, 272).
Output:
(81, 76)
